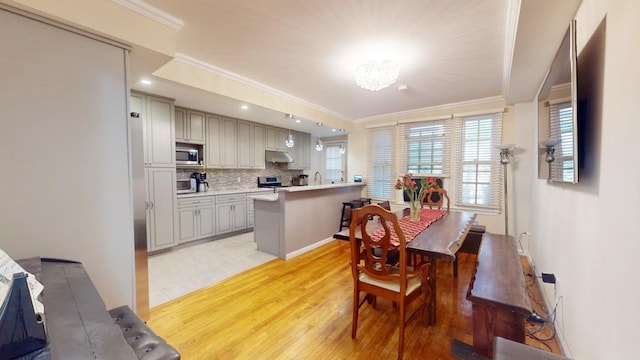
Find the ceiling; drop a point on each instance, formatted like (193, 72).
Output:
(450, 51)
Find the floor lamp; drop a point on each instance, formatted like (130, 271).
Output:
(550, 149)
(505, 154)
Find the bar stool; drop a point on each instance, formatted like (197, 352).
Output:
(345, 218)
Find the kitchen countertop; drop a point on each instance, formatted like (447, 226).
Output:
(317, 187)
(225, 192)
(265, 197)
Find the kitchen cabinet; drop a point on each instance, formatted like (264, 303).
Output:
(160, 207)
(275, 138)
(231, 213)
(196, 219)
(189, 126)
(251, 145)
(250, 211)
(221, 142)
(301, 151)
(158, 129)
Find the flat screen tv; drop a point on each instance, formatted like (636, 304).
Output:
(557, 115)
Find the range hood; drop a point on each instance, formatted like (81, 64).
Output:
(277, 157)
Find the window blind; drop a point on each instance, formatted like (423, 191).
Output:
(478, 170)
(561, 127)
(333, 163)
(380, 177)
(425, 147)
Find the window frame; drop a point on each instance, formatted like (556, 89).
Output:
(487, 157)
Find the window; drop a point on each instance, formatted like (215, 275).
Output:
(333, 163)
(380, 179)
(478, 171)
(561, 127)
(425, 147)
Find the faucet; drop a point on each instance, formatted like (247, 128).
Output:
(341, 176)
(315, 177)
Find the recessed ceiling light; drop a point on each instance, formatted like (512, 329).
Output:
(334, 130)
(244, 107)
(146, 81)
(298, 121)
(319, 124)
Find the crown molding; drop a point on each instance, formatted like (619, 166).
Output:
(420, 112)
(152, 13)
(513, 15)
(252, 83)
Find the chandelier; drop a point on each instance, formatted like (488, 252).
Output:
(377, 74)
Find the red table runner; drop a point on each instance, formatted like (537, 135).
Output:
(410, 228)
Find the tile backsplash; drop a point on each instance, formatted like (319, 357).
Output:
(227, 179)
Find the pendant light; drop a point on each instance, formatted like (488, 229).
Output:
(319, 145)
(288, 142)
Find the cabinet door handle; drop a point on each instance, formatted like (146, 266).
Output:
(146, 205)
(151, 204)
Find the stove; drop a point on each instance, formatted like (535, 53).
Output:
(270, 182)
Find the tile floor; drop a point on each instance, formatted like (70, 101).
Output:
(181, 271)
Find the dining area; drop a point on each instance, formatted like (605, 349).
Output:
(415, 243)
(303, 308)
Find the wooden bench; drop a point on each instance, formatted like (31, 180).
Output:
(498, 293)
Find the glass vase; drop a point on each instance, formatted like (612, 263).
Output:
(414, 214)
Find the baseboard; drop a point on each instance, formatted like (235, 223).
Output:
(308, 248)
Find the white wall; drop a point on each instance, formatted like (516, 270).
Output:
(64, 159)
(587, 233)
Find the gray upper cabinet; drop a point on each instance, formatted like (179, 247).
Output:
(189, 126)
(300, 152)
(275, 138)
(158, 129)
(221, 142)
(161, 147)
(251, 145)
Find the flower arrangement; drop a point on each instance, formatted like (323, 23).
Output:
(409, 187)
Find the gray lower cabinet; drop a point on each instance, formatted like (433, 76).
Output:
(231, 213)
(196, 218)
(250, 211)
(160, 207)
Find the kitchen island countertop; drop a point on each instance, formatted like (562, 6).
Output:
(225, 192)
(317, 187)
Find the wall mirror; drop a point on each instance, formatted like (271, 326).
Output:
(557, 115)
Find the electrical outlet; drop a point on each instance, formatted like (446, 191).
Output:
(238, 178)
(549, 278)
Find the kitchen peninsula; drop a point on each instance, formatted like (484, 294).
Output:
(297, 219)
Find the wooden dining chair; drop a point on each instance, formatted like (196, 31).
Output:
(385, 205)
(434, 198)
(399, 283)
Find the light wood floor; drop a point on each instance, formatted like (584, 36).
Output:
(301, 309)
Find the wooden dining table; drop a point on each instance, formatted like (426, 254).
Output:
(440, 240)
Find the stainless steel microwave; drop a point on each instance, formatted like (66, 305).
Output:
(186, 186)
(187, 156)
